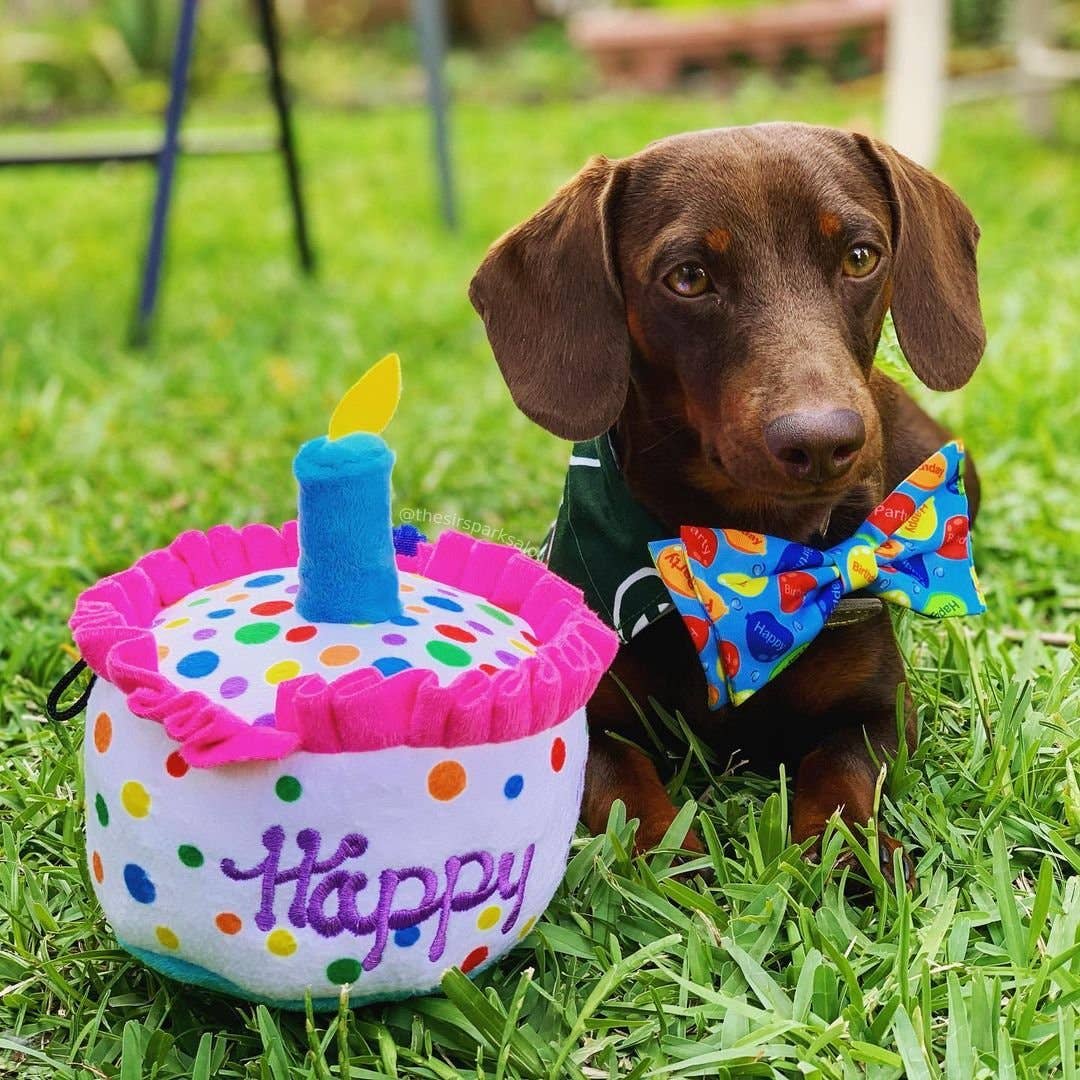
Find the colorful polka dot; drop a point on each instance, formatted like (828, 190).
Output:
(443, 602)
(167, 937)
(508, 658)
(135, 799)
(513, 786)
(391, 665)
(266, 720)
(345, 970)
(271, 607)
(474, 959)
(263, 580)
(446, 780)
(480, 628)
(558, 754)
(233, 686)
(489, 669)
(196, 665)
(228, 922)
(527, 649)
(162, 651)
(394, 639)
(496, 613)
(288, 788)
(174, 623)
(293, 589)
(204, 633)
(455, 633)
(236, 597)
(190, 856)
(282, 671)
(138, 884)
(529, 924)
(446, 653)
(488, 917)
(406, 936)
(532, 639)
(198, 603)
(175, 765)
(221, 613)
(101, 810)
(418, 608)
(404, 620)
(338, 655)
(281, 943)
(301, 633)
(257, 633)
(95, 865)
(102, 732)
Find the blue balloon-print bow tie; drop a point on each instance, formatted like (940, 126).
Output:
(752, 603)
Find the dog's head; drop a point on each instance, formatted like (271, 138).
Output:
(737, 279)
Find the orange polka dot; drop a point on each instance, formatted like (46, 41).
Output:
(99, 870)
(403, 587)
(102, 732)
(228, 923)
(446, 781)
(220, 585)
(236, 596)
(336, 655)
(417, 609)
(162, 651)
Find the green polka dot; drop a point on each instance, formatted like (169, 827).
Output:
(446, 653)
(101, 809)
(344, 970)
(256, 633)
(200, 601)
(190, 855)
(496, 613)
(288, 788)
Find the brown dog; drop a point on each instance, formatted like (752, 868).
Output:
(715, 301)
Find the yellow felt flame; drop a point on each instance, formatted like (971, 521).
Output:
(369, 404)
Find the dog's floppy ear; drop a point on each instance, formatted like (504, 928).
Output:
(935, 301)
(549, 297)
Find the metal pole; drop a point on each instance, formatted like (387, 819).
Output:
(430, 19)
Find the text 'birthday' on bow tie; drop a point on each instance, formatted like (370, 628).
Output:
(752, 602)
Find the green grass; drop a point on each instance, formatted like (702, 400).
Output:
(766, 968)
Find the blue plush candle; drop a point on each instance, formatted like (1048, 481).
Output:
(347, 568)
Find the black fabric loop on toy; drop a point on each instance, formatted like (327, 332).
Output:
(63, 684)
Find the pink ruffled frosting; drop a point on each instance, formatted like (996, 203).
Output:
(363, 710)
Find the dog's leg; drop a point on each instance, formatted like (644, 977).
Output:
(616, 770)
(840, 775)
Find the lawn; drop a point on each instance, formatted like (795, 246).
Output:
(767, 966)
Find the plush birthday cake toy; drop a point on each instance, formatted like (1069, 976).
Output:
(314, 761)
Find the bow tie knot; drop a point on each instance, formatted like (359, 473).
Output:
(752, 602)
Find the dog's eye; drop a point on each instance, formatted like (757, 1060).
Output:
(860, 261)
(690, 279)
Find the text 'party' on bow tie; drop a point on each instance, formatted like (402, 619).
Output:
(752, 602)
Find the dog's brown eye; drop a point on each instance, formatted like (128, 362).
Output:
(689, 279)
(860, 261)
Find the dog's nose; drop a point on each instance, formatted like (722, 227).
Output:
(816, 446)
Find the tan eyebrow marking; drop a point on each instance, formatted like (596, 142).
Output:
(718, 239)
(828, 223)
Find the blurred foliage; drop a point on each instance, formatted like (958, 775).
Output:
(114, 55)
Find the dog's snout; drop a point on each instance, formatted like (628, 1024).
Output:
(816, 446)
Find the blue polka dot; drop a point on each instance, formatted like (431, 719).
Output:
(443, 602)
(221, 613)
(139, 884)
(408, 935)
(390, 665)
(404, 620)
(197, 664)
(263, 579)
(512, 787)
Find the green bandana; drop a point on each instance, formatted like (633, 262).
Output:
(600, 539)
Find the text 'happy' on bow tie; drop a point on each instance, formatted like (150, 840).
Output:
(752, 602)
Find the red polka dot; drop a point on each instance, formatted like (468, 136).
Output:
(475, 958)
(99, 870)
(532, 639)
(455, 633)
(300, 633)
(175, 765)
(558, 754)
(489, 669)
(228, 923)
(270, 607)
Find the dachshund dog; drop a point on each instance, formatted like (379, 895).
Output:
(708, 311)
